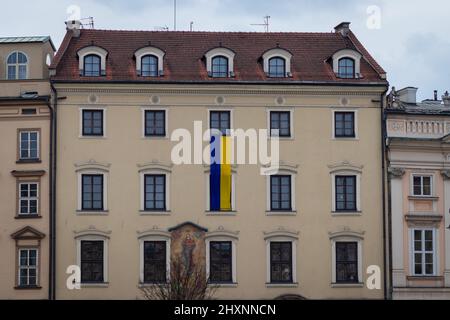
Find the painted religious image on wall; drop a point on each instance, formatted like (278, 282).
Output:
(188, 246)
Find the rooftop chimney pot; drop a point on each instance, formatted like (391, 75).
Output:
(446, 99)
(435, 95)
(74, 26)
(343, 28)
(408, 95)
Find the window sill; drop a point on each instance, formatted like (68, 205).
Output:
(154, 213)
(221, 213)
(28, 161)
(92, 137)
(290, 138)
(92, 213)
(345, 139)
(27, 287)
(281, 213)
(151, 285)
(423, 198)
(346, 213)
(29, 216)
(223, 285)
(347, 285)
(95, 285)
(424, 278)
(155, 137)
(281, 285)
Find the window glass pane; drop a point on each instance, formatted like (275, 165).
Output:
(154, 261)
(281, 262)
(92, 122)
(346, 262)
(219, 67)
(220, 262)
(92, 261)
(92, 66)
(344, 124)
(149, 66)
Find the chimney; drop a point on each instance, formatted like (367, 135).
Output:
(446, 99)
(343, 28)
(435, 95)
(74, 26)
(408, 95)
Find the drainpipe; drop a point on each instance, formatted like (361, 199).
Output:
(386, 261)
(53, 139)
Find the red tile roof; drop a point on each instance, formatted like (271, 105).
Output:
(184, 60)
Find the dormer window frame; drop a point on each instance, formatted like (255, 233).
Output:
(150, 51)
(277, 53)
(89, 51)
(216, 52)
(16, 65)
(347, 54)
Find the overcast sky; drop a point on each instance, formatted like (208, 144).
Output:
(411, 40)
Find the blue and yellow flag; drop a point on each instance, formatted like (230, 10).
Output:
(220, 177)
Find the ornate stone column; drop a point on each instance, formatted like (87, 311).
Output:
(446, 175)
(397, 224)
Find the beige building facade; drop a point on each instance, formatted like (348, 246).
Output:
(25, 114)
(419, 195)
(126, 210)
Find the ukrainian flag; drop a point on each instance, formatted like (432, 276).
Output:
(220, 177)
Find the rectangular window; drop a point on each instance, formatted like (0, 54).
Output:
(92, 192)
(280, 193)
(28, 262)
(422, 186)
(155, 192)
(281, 121)
(12, 73)
(155, 261)
(344, 125)
(155, 123)
(347, 262)
(220, 120)
(92, 122)
(92, 261)
(28, 198)
(281, 262)
(220, 264)
(345, 193)
(424, 252)
(29, 145)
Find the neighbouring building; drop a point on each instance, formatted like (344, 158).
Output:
(419, 178)
(125, 210)
(25, 115)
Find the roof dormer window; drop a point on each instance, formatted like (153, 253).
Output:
(92, 61)
(149, 62)
(220, 63)
(347, 64)
(17, 66)
(277, 63)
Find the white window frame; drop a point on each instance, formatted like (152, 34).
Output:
(87, 171)
(351, 54)
(157, 236)
(423, 252)
(28, 199)
(17, 65)
(277, 53)
(333, 125)
(281, 172)
(154, 171)
(29, 132)
(27, 267)
(291, 122)
(95, 237)
(227, 53)
(158, 53)
(346, 238)
(282, 238)
(422, 175)
(224, 237)
(103, 109)
(333, 191)
(102, 53)
(166, 119)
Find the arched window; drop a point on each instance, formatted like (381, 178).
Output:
(219, 67)
(92, 66)
(17, 64)
(149, 66)
(346, 68)
(277, 67)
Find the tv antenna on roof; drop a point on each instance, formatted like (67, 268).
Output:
(265, 24)
(89, 22)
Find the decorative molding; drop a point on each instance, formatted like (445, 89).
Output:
(283, 167)
(416, 220)
(396, 173)
(28, 233)
(188, 223)
(346, 232)
(154, 232)
(445, 174)
(207, 168)
(155, 165)
(92, 231)
(28, 173)
(92, 164)
(345, 166)
(222, 232)
(281, 232)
